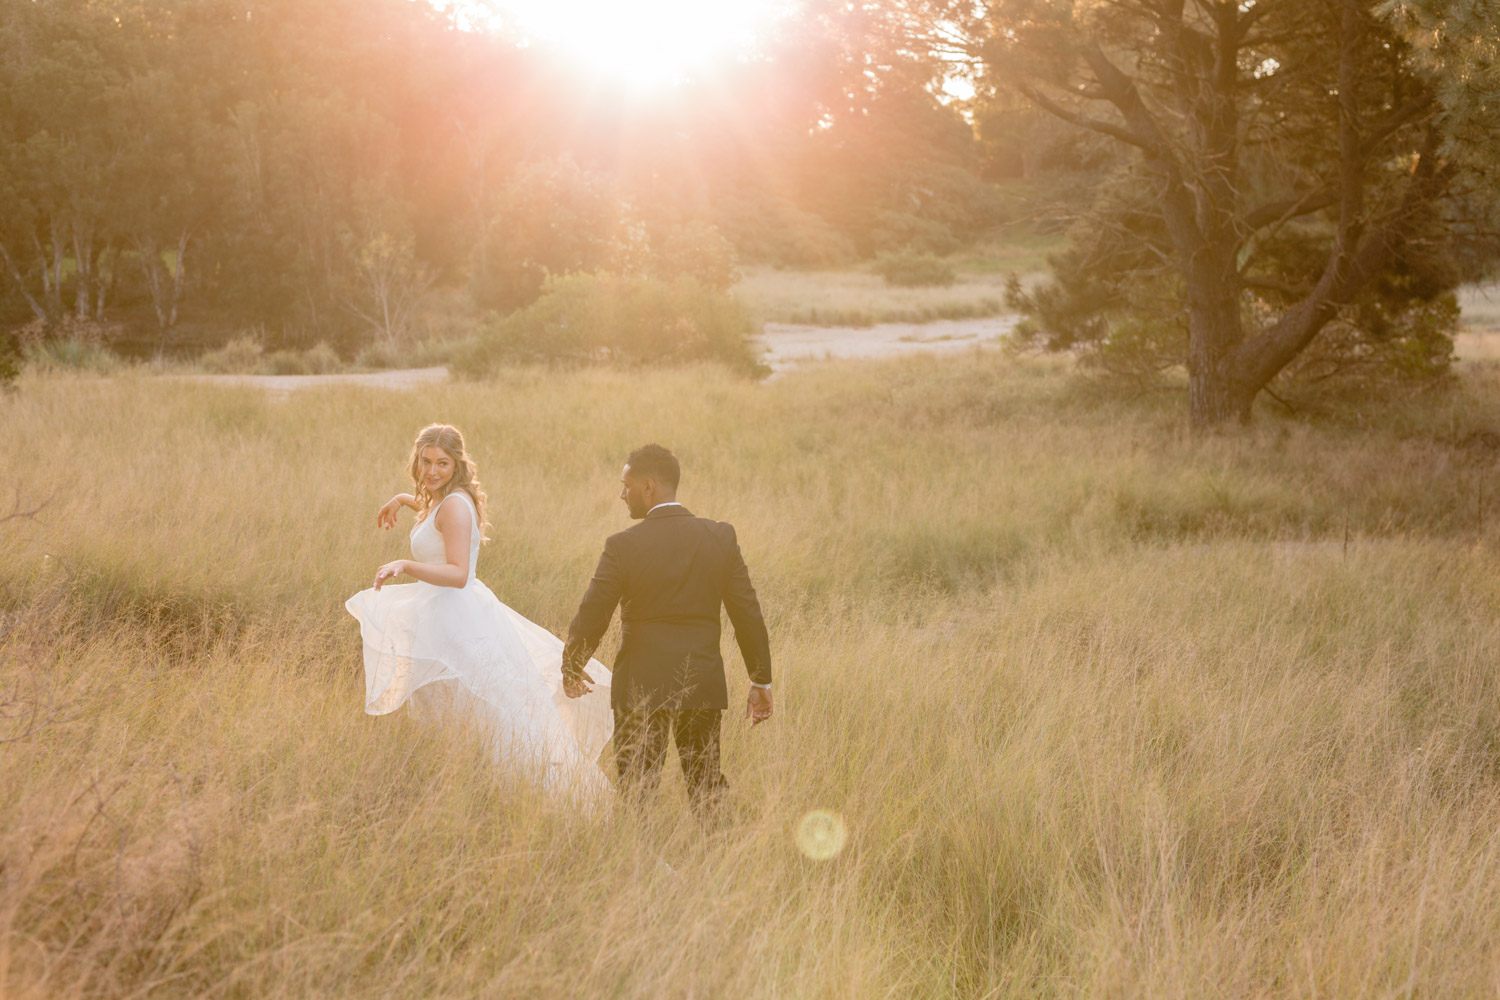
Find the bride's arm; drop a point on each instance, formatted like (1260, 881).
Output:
(386, 518)
(455, 524)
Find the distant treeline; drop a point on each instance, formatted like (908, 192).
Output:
(308, 169)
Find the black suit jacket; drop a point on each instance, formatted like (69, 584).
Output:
(669, 574)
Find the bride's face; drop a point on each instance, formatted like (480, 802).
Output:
(437, 469)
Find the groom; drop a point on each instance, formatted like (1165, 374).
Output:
(669, 574)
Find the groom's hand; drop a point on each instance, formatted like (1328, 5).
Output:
(577, 687)
(758, 705)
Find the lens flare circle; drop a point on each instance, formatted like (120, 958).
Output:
(821, 834)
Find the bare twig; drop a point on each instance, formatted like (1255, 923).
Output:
(16, 513)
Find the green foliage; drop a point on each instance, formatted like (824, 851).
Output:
(432, 352)
(588, 317)
(320, 359)
(552, 217)
(309, 169)
(911, 268)
(1116, 302)
(900, 231)
(60, 354)
(1361, 211)
(1376, 342)
(695, 250)
(770, 230)
(247, 355)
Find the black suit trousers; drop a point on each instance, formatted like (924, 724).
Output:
(641, 749)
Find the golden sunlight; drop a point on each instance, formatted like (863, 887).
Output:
(648, 43)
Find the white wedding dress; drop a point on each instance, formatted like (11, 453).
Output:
(461, 657)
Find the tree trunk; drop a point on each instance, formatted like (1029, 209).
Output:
(108, 259)
(59, 258)
(1216, 393)
(178, 278)
(151, 268)
(15, 273)
(51, 292)
(85, 272)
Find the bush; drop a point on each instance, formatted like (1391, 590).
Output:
(241, 356)
(898, 231)
(70, 355)
(320, 359)
(775, 231)
(551, 217)
(1375, 342)
(284, 362)
(913, 269)
(586, 317)
(696, 250)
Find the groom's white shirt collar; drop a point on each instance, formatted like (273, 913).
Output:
(669, 503)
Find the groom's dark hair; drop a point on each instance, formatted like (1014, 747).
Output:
(655, 462)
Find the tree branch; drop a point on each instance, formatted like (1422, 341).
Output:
(1290, 208)
(1099, 125)
(1272, 285)
(1322, 197)
(16, 513)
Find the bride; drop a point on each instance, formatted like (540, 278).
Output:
(449, 647)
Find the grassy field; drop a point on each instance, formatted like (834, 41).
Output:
(1107, 710)
(858, 298)
(862, 298)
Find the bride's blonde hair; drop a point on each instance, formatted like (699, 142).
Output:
(465, 475)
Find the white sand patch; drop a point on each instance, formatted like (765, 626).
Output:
(787, 345)
(403, 379)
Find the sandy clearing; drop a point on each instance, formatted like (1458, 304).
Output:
(1477, 345)
(281, 385)
(786, 345)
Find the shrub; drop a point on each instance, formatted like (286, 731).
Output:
(241, 356)
(70, 355)
(695, 250)
(898, 231)
(320, 359)
(1375, 342)
(380, 354)
(586, 317)
(776, 231)
(914, 269)
(284, 362)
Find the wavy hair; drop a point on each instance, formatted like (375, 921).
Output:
(465, 474)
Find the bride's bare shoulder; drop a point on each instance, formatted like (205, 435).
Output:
(453, 513)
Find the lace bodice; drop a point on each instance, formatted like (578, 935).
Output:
(427, 541)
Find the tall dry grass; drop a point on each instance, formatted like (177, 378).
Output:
(1107, 710)
(857, 298)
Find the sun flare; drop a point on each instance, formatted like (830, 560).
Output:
(648, 43)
